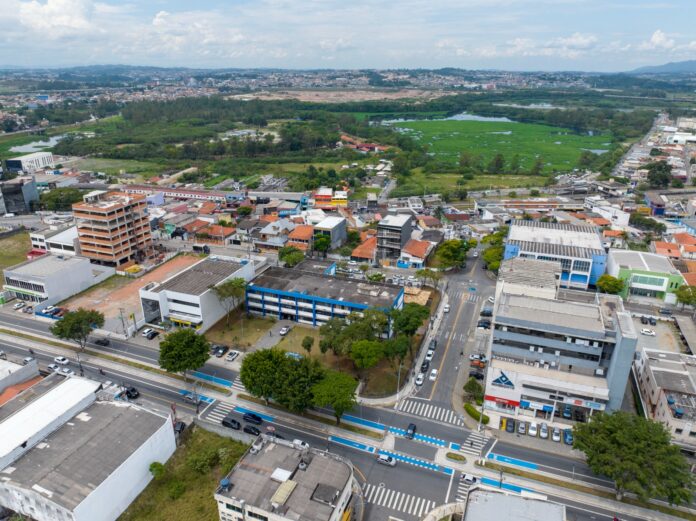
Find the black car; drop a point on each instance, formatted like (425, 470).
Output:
(152, 334)
(250, 429)
(425, 366)
(179, 427)
(652, 321)
(476, 374)
(433, 344)
(410, 431)
(220, 351)
(484, 324)
(102, 342)
(132, 393)
(486, 312)
(510, 425)
(644, 320)
(231, 423)
(665, 311)
(253, 418)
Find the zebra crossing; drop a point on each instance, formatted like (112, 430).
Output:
(469, 296)
(398, 501)
(462, 490)
(218, 412)
(474, 443)
(238, 386)
(428, 410)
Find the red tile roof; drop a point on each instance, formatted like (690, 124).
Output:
(430, 221)
(215, 230)
(684, 238)
(667, 248)
(299, 245)
(690, 278)
(366, 250)
(417, 248)
(196, 225)
(268, 218)
(612, 233)
(303, 232)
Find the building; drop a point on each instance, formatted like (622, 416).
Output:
(323, 198)
(67, 454)
(49, 279)
(17, 195)
(666, 249)
(274, 234)
(415, 253)
(278, 481)
(577, 247)
(46, 182)
(393, 232)
(487, 504)
(30, 162)
(313, 298)
(113, 228)
(555, 355)
(366, 251)
(339, 199)
(60, 241)
(645, 274)
(187, 299)
(301, 237)
(667, 385)
(335, 228)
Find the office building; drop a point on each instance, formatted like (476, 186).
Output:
(577, 247)
(278, 481)
(335, 228)
(187, 299)
(393, 232)
(645, 275)
(113, 228)
(18, 195)
(59, 241)
(314, 298)
(30, 162)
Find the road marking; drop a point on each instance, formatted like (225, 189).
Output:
(449, 343)
(397, 500)
(513, 461)
(352, 444)
(427, 410)
(243, 410)
(449, 487)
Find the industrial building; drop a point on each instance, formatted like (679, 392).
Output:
(393, 232)
(577, 247)
(17, 195)
(187, 299)
(279, 481)
(30, 162)
(113, 227)
(313, 298)
(645, 274)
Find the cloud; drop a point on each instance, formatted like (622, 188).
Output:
(577, 41)
(658, 41)
(56, 18)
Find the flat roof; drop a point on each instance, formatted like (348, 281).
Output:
(640, 260)
(571, 240)
(198, 279)
(47, 265)
(529, 272)
(398, 220)
(484, 505)
(75, 459)
(581, 383)
(347, 290)
(33, 155)
(329, 223)
(65, 235)
(257, 478)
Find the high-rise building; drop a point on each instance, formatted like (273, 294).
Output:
(113, 227)
(393, 232)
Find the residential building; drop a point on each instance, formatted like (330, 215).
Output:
(17, 195)
(415, 253)
(301, 237)
(323, 198)
(666, 249)
(187, 299)
(339, 199)
(613, 214)
(556, 355)
(577, 247)
(365, 252)
(276, 480)
(30, 162)
(312, 298)
(613, 239)
(335, 228)
(393, 232)
(60, 241)
(113, 228)
(274, 234)
(49, 279)
(645, 274)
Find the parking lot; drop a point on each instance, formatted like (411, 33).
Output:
(666, 337)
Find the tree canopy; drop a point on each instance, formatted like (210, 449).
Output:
(77, 325)
(452, 253)
(229, 292)
(335, 390)
(659, 174)
(183, 350)
(686, 295)
(608, 284)
(291, 256)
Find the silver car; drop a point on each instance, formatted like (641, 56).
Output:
(544, 431)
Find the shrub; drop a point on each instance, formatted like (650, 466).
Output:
(203, 461)
(157, 469)
(475, 414)
(176, 489)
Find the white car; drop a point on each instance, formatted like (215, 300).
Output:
(232, 356)
(67, 370)
(446, 309)
(299, 444)
(429, 355)
(18, 305)
(533, 429)
(386, 460)
(475, 254)
(61, 360)
(556, 435)
(54, 368)
(48, 309)
(468, 479)
(284, 330)
(647, 332)
(544, 431)
(146, 331)
(474, 356)
(420, 379)
(433, 375)
(491, 300)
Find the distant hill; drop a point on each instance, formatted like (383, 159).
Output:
(686, 67)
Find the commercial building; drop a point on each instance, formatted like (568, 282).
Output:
(645, 274)
(487, 504)
(17, 195)
(113, 228)
(60, 241)
(335, 228)
(278, 481)
(323, 198)
(555, 355)
(577, 247)
(339, 199)
(314, 298)
(393, 232)
(187, 299)
(67, 455)
(49, 279)
(30, 162)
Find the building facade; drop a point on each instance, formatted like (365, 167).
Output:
(61, 241)
(335, 228)
(30, 162)
(17, 195)
(645, 275)
(393, 232)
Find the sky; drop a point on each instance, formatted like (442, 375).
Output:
(590, 35)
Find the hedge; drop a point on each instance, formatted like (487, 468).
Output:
(475, 414)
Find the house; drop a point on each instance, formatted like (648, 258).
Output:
(428, 221)
(645, 274)
(668, 249)
(366, 251)
(613, 239)
(301, 237)
(215, 233)
(414, 254)
(275, 234)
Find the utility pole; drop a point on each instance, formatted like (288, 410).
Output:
(123, 321)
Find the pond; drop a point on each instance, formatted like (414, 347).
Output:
(37, 146)
(463, 116)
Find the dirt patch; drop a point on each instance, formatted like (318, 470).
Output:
(344, 96)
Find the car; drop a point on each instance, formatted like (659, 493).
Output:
(146, 331)
(567, 412)
(475, 254)
(544, 431)
(61, 360)
(179, 427)
(220, 351)
(410, 431)
(474, 356)
(521, 427)
(420, 379)
(647, 332)
(27, 360)
(652, 321)
(510, 426)
(132, 393)
(446, 308)
(425, 366)
(485, 321)
(67, 370)
(3, 355)
(483, 324)
(18, 305)
(476, 374)
(284, 330)
(486, 312)
(48, 309)
(478, 363)
(250, 429)
(644, 320)
(579, 416)
(568, 436)
(299, 444)
(28, 309)
(190, 398)
(229, 422)
(665, 311)
(389, 461)
(232, 356)
(433, 344)
(252, 418)
(468, 479)
(152, 334)
(54, 368)
(533, 429)
(429, 355)
(491, 300)
(433, 375)
(556, 434)
(102, 342)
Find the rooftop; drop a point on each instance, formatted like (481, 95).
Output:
(48, 265)
(200, 277)
(484, 505)
(529, 272)
(329, 223)
(348, 290)
(30, 156)
(273, 477)
(366, 249)
(302, 232)
(572, 240)
(419, 249)
(398, 220)
(100, 200)
(640, 260)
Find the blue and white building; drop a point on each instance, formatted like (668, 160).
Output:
(578, 248)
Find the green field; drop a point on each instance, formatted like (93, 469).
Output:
(13, 249)
(114, 166)
(560, 148)
(361, 116)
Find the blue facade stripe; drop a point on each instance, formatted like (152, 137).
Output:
(513, 461)
(419, 437)
(266, 417)
(360, 421)
(211, 378)
(353, 444)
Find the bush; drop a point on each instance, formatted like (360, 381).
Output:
(475, 414)
(157, 470)
(203, 461)
(176, 489)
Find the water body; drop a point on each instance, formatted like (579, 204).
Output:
(531, 106)
(597, 151)
(463, 116)
(37, 146)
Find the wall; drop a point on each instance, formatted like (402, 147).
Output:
(599, 267)
(20, 374)
(619, 368)
(30, 503)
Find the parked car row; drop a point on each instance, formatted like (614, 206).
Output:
(534, 429)
(429, 355)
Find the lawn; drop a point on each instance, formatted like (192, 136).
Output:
(115, 166)
(13, 249)
(240, 334)
(184, 493)
(560, 148)
(362, 191)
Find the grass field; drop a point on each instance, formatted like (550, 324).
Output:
(115, 166)
(239, 335)
(13, 249)
(559, 148)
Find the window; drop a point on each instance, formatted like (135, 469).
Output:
(183, 303)
(234, 508)
(678, 431)
(254, 515)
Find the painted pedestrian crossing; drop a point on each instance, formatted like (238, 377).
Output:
(218, 412)
(396, 500)
(238, 386)
(462, 490)
(469, 296)
(428, 410)
(473, 443)
(473, 297)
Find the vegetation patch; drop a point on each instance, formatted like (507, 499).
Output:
(455, 457)
(13, 249)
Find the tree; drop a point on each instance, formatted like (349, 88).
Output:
(183, 350)
(60, 199)
(261, 372)
(659, 174)
(452, 253)
(377, 276)
(686, 295)
(407, 320)
(229, 292)
(515, 164)
(366, 353)
(537, 167)
(428, 274)
(296, 381)
(77, 325)
(308, 343)
(335, 390)
(157, 470)
(474, 389)
(322, 244)
(395, 350)
(534, 193)
(497, 164)
(290, 255)
(244, 211)
(608, 284)
(637, 454)
(363, 268)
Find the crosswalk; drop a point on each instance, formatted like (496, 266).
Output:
(398, 501)
(428, 410)
(238, 386)
(473, 443)
(462, 491)
(218, 412)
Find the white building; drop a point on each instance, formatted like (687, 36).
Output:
(335, 228)
(614, 214)
(49, 279)
(60, 241)
(187, 299)
(30, 162)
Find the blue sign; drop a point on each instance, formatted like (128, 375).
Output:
(503, 381)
